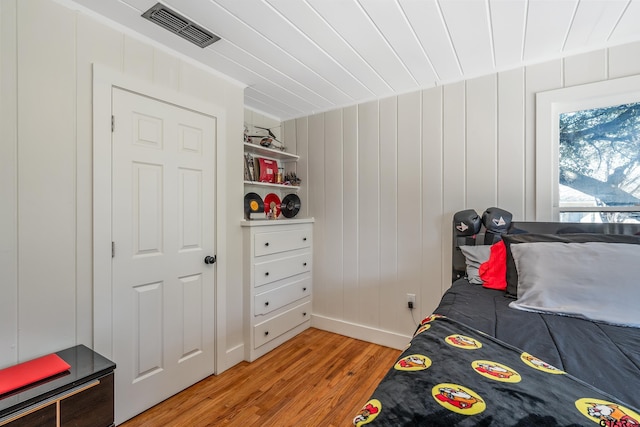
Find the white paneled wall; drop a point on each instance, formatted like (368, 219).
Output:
(8, 186)
(349, 294)
(367, 304)
(408, 211)
(334, 189)
(254, 118)
(46, 56)
(510, 149)
(46, 179)
(481, 154)
(390, 192)
(386, 176)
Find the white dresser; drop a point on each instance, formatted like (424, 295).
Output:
(277, 282)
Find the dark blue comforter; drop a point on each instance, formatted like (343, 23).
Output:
(477, 362)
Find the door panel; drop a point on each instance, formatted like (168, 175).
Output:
(192, 325)
(189, 210)
(147, 208)
(163, 227)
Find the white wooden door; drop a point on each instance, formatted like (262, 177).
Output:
(163, 228)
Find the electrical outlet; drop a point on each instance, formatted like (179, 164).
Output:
(411, 301)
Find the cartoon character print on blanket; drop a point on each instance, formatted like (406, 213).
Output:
(454, 375)
(607, 413)
(368, 413)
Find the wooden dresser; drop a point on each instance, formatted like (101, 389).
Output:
(277, 282)
(80, 397)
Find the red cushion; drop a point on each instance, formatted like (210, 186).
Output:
(493, 272)
(26, 373)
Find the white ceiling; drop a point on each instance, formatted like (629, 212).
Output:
(299, 57)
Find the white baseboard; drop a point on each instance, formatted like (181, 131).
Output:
(236, 354)
(364, 333)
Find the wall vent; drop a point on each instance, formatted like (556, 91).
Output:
(178, 24)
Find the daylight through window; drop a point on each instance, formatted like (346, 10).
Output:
(599, 164)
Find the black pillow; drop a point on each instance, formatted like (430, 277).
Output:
(510, 239)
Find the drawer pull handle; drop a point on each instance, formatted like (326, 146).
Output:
(266, 303)
(304, 314)
(266, 274)
(266, 244)
(304, 264)
(304, 239)
(266, 333)
(304, 289)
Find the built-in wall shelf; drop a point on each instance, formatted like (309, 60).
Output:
(270, 153)
(269, 185)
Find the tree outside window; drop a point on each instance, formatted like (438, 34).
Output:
(599, 164)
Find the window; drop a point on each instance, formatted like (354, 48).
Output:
(588, 152)
(599, 164)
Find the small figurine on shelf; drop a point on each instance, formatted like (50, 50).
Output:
(292, 179)
(273, 211)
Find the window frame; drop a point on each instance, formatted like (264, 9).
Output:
(549, 106)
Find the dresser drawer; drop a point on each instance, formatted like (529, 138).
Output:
(277, 280)
(269, 301)
(281, 268)
(273, 328)
(281, 241)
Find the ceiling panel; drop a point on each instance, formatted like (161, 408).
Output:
(468, 25)
(355, 26)
(594, 22)
(628, 26)
(301, 57)
(391, 21)
(276, 107)
(427, 21)
(313, 26)
(140, 5)
(548, 23)
(250, 43)
(507, 24)
(277, 75)
(269, 22)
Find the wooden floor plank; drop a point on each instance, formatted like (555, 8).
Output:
(316, 379)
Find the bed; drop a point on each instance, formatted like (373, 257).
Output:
(555, 343)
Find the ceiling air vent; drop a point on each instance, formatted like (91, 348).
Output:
(178, 24)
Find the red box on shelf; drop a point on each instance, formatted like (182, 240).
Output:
(268, 170)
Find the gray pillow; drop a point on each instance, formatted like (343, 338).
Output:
(511, 239)
(474, 256)
(592, 280)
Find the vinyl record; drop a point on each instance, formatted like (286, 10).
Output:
(272, 201)
(253, 204)
(290, 205)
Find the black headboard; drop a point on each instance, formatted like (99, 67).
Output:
(463, 238)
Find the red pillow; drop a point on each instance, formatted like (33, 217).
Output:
(493, 272)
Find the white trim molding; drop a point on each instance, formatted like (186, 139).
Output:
(360, 332)
(549, 106)
(104, 79)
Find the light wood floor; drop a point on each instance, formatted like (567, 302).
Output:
(316, 379)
